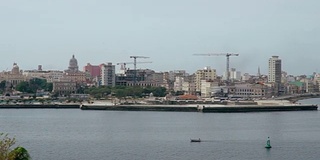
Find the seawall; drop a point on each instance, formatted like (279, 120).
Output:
(40, 106)
(201, 108)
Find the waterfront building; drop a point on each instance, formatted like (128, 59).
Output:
(158, 78)
(246, 77)
(78, 77)
(50, 75)
(275, 71)
(249, 91)
(54, 75)
(317, 79)
(108, 74)
(177, 73)
(64, 87)
(93, 70)
(235, 75)
(296, 87)
(205, 74)
(166, 82)
(14, 76)
(207, 87)
(186, 87)
(177, 85)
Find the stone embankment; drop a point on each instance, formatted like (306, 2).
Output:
(296, 97)
(40, 106)
(258, 106)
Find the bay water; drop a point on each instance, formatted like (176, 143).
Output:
(74, 134)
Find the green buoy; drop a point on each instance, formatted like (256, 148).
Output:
(268, 145)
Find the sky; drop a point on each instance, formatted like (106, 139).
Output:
(49, 32)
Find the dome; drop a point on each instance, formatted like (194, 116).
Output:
(15, 69)
(15, 65)
(73, 64)
(73, 61)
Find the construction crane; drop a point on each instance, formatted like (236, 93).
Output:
(228, 61)
(124, 64)
(135, 67)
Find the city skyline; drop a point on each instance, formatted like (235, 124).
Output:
(169, 32)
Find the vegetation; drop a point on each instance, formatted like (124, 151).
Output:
(6, 151)
(33, 85)
(125, 91)
(2, 86)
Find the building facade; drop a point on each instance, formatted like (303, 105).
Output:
(108, 74)
(205, 74)
(275, 73)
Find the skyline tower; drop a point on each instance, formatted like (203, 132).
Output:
(274, 75)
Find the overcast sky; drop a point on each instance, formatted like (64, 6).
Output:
(46, 32)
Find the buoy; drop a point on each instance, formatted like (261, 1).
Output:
(268, 145)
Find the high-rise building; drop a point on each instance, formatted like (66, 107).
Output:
(93, 70)
(108, 74)
(205, 74)
(274, 75)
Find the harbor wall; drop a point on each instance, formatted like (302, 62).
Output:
(39, 106)
(197, 108)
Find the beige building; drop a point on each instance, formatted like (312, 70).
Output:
(14, 77)
(64, 87)
(249, 90)
(205, 74)
(50, 76)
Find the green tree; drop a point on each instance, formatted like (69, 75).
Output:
(159, 92)
(6, 151)
(23, 87)
(20, 153)
(3, 86)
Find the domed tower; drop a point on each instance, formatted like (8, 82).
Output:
(73, 65)
(15, 69)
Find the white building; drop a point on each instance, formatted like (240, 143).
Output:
(234, 75)
(108, 75)
(275, 74)
(207, 88)
(245, 77)
(178, 83)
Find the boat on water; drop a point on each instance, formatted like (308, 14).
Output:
(195, 140)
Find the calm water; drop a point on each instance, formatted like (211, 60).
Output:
(97, 135)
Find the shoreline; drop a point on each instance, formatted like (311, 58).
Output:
(230, 106)
(203, 108)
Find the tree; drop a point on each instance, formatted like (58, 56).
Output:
(6, 151)
(3, 86)
(20, 153)
(23, 87)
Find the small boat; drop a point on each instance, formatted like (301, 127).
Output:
(195, 140)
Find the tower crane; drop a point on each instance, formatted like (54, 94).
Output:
(228, 61)
(135, 67)
(124, 64)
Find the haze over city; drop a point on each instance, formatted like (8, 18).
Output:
(169, 32)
